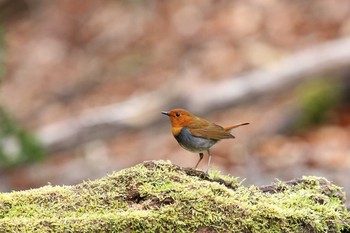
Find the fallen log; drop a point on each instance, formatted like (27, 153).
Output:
(157, 196)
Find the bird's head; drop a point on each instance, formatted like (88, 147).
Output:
(179, 117)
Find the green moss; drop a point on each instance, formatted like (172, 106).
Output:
(157, 196)
(17, 145)
(317, 99)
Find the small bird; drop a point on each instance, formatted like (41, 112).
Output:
(196, 134)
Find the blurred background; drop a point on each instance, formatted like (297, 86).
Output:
(83, 83)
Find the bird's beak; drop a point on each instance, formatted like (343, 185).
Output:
(165, 113)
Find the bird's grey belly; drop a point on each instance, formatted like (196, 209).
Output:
(192, 143)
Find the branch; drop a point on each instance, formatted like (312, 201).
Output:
(143, 110)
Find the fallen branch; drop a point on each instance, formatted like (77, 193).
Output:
(143, 110)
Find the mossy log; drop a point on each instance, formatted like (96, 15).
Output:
(157, 196)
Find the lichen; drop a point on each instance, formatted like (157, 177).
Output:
(156, 196)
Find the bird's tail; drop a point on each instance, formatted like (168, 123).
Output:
(229, 127)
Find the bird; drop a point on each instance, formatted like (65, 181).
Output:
(196, 134)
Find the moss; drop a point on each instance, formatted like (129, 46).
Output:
(157, 196)
(17, 145)
(317, 100)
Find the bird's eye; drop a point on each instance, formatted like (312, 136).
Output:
(177, 114)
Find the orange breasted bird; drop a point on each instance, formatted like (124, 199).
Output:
(196, 134)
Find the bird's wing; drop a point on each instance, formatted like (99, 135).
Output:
(205, 129)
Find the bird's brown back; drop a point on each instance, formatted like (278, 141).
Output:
(199, 127)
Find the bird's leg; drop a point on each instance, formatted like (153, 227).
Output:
(200, 158)
(209, 160)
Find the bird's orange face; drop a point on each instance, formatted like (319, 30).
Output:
(179, 118)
